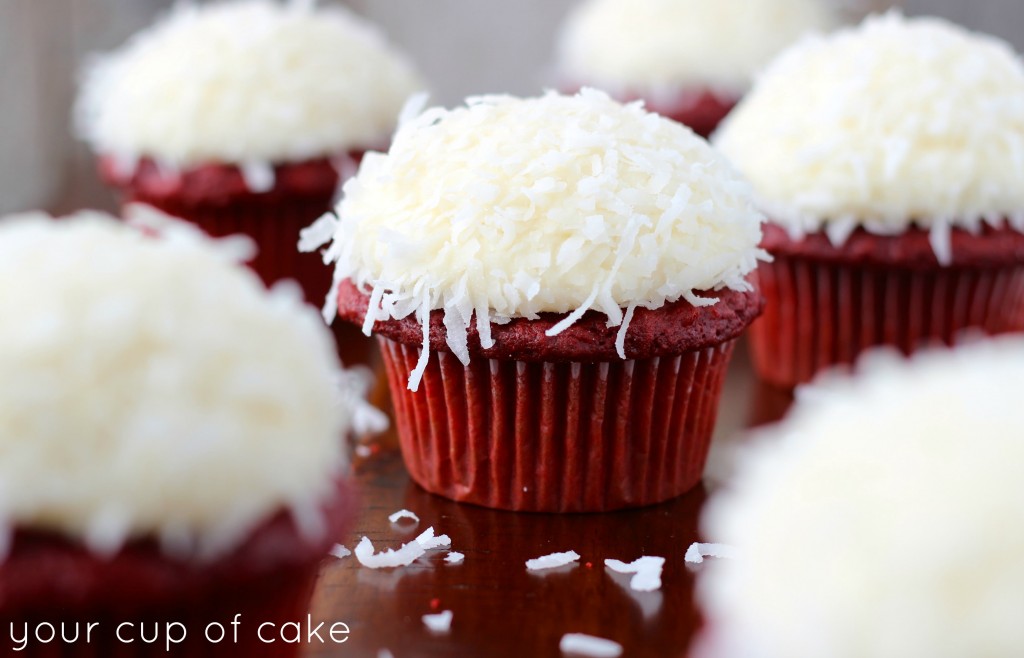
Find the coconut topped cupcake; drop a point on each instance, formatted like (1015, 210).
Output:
(245, 82)
(156, 390)
(511, 208)
(896, 122)
(656, 47)
(878, 519)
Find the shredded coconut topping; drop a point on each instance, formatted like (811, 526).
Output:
(879, 518)
(454, 557)
(248, 82)
(897, 121)
(658, 45)
(339, 551)
(552, 561)
(514, 207)
(155, 388)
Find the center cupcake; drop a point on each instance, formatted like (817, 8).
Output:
(556, 284)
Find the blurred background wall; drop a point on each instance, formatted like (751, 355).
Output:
(462, 46)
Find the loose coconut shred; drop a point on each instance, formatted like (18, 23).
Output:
(514, 207)
(589, 645)
(552, 561)
(404, 514)
(441, 623)
(402, 557)
(696, 553)
(646, 572)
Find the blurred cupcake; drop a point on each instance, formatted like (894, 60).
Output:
(557, 284)
(243, 116)
(889, 160)
(877, 520)
(689, 60)
(170, 440)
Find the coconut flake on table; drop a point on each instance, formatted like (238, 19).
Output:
(404, 514)
(552, 561)
(696, 553)
(454, 557)
(403, 557)
(589, 645)
(428, 541)
(440, 623)
(385, 653)
(646, 572)
(339, 551)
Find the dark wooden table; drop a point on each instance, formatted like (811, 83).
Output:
(501, 609)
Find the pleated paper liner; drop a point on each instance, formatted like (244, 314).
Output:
(822, 314)
(557, 437)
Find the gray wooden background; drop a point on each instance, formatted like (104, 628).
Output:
(462, 46)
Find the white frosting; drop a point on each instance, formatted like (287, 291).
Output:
(896, 121)
(154, 388)
(881, 518)
(658, 46)
(513, 207)
(246, 82)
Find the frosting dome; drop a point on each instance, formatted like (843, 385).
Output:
(512, 207)
(154, 388)
(896, 121)
(660, 45)
(878, 519)
(245, 81)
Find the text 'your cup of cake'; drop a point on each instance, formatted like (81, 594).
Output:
(689, 60)
(879, 519)
(556, 284)
(244, 116)
(172, 448)
(888, 159)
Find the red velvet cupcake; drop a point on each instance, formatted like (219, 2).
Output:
(171, 454)
(245, 116)
(689, 60)
(896, 216)
(556, 284)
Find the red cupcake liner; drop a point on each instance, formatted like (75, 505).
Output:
(557, 437)
(823, 314)
(275, 227)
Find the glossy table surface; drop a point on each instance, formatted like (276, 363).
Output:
(500, 608)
